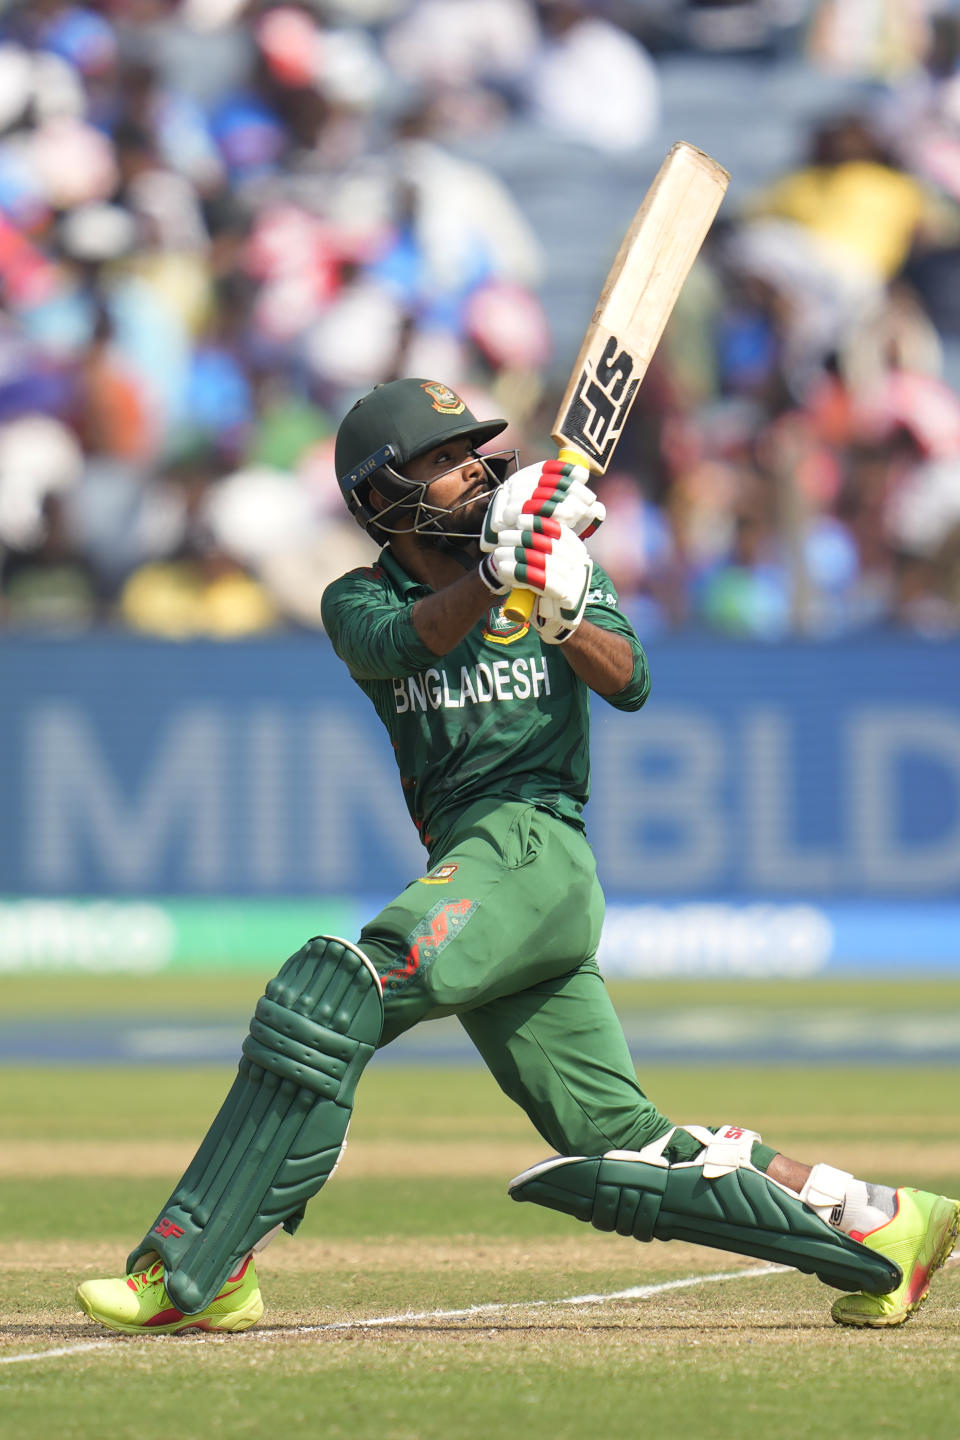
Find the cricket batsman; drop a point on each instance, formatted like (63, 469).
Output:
(489, 722)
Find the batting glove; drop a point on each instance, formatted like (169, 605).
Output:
(551, 560)
(552, 489)
(555, 623)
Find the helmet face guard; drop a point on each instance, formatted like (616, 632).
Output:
(407, 509)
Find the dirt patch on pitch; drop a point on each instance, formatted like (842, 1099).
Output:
(892, 1161)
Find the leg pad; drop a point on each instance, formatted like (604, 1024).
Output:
(281, 1129)
(741, 1210)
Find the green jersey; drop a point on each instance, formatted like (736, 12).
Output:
(499, 717)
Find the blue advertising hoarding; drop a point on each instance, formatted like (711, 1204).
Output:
(803, 796)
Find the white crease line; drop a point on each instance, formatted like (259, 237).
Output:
(495, 1307)
(51, 1354)
(636, 1292)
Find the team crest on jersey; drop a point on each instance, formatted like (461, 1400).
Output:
(441, 876)
(444, 399)
(501, 629)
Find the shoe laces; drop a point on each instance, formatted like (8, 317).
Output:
(141, 1280)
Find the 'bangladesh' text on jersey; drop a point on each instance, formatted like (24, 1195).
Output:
(480, 684)
(501, 716)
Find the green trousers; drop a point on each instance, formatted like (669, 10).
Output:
(503, 932)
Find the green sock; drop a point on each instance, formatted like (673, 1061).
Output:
(684, 1146)
(761, 1155)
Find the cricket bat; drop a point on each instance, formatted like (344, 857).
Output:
(654, 259)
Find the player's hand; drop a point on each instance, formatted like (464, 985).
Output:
(552, 622)
(552, 489)
(549, 559)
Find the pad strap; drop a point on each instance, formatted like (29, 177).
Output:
(724, 1149)
(825, 1187)
(727, 1150)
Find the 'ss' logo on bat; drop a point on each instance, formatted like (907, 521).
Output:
(600, 402)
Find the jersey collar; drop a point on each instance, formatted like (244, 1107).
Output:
(404, 584)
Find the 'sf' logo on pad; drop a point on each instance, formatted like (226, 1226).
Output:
(168, 1229)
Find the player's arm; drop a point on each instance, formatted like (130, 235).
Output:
(371, 630)
(603, 614)
(603, 659)
(442, 619)
(380, 637)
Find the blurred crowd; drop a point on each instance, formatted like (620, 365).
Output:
(221, 222)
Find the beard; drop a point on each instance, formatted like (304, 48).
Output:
(456, 529)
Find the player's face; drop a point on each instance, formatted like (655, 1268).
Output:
(457, 481)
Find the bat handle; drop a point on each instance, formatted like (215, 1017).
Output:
(519, 604)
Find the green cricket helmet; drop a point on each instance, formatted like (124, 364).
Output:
(390, 426)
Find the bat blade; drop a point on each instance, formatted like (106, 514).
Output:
(647, 275)
(654, 259)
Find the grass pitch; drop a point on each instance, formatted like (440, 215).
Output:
(418, 1302)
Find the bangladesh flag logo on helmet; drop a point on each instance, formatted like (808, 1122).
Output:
(442, 398)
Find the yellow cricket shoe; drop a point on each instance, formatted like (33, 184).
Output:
(919, 1239)
(138, 1304)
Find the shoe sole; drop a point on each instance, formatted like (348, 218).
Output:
(243, 1319)
(899, 1317)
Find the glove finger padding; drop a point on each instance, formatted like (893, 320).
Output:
(554, 489)
(553, 562)
(564, 493)
(519, 556)
(544, 556)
